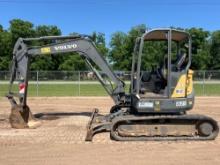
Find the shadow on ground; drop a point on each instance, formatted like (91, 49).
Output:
(57, 115)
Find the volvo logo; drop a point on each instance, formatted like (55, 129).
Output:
(65, 47)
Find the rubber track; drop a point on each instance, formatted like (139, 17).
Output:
(187, 118)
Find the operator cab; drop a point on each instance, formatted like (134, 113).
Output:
(160, 71)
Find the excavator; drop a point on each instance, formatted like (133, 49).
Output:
(157, 104)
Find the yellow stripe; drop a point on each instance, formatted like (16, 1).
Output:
(180, 88)
(189, 83)
(45, 50)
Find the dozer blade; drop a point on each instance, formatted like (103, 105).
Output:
(21, 117)
(97, 124)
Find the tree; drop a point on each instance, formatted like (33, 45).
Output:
(215, 50)
(5, 49)
(1, 28)
(122, 46)
(74, 62)
(19, 28)
(206, 48)
(44, 30)
(99, 40)
(46, 62)
(201, 48)
(153, 55)
(119, 52)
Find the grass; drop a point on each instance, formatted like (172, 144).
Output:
(94, 90)
(207, 89)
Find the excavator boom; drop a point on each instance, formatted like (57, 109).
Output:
(21, 115)
(62, 45)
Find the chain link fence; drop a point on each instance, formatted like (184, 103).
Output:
(84, 83)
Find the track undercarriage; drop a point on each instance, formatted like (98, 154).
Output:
(124, 126)
(127, 127)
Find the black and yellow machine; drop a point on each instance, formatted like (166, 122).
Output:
(157, 103)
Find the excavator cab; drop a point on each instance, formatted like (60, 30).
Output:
(167, 86)
(159, 96)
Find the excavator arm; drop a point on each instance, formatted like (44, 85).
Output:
(81, 44)
(25, 49)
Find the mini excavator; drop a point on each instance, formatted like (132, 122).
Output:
(157, 103)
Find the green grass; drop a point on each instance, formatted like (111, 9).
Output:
(207, 90)
(60, 90)
(94, 90)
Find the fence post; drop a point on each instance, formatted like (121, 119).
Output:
(203, 84)
(37, 84)
(79, 83)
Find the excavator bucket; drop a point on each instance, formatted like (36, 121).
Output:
(97, 124)
(21, 117)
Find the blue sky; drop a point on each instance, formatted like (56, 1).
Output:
(108, 16)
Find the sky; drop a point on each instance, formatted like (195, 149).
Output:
(109, 16)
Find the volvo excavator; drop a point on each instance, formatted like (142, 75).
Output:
(156, 106)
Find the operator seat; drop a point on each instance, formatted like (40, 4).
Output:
(176, 65)
(156, 80)
(180, 61)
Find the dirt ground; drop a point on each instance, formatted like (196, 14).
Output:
(60, 139)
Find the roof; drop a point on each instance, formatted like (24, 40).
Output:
(161, 34)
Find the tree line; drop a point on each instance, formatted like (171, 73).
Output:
(206, 46)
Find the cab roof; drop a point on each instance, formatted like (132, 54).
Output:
(161, 34)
